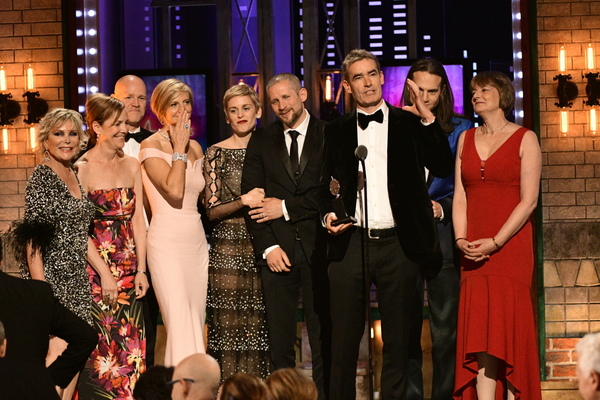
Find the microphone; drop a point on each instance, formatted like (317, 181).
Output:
(361, 152)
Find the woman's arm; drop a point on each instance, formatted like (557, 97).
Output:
(139, 233)
(35, 263)
(459, 204)
(107, 280)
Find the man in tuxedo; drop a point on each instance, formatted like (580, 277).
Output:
(131, 90)
(284, 159)
(442, 290)
(30, 314)
(402, 236)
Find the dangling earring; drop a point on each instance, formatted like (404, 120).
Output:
(46, 155)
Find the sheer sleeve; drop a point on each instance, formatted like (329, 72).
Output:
(217, 204)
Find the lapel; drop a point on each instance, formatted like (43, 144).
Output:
(349, 142)
(313, 144)
(281, 149)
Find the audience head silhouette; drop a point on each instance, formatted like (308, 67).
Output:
(196, 378)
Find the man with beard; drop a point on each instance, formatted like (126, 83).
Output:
(284, 159)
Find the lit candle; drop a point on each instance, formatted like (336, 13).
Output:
(593, 121)
(30, 75)
(564, 122)
(32, 141)
(328, 88)
(2, 79)
(562, 59)
(589, 57)
(5, 140)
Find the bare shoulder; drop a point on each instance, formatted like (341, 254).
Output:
(131, 163)
(196, 148)
(152, 142)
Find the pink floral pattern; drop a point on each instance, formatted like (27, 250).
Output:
(117, 362)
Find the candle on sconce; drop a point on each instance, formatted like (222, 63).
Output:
(29, 79)
(593, 121)
(564, 122)
(328, 88)
(32, 141)
(2, 79)
(562, 59)
(5, 140)
(589, 57)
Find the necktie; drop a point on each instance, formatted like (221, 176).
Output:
(294, 152)
(137, 136)
(364, 119)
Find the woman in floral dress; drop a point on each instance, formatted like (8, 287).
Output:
(113, 183)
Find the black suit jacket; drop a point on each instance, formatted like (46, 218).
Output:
(30, 313)
(267, 165)
(411, 147)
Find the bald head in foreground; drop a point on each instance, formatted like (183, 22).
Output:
(196, 378)
(588, 366)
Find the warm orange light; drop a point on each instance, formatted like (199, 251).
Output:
(589, 57)
(32, 142)
(593, 121)
(241, 82)
(564, 122)
(5, 140)
(2, 79)
(328, 88)
(29, 79)
(562, 59)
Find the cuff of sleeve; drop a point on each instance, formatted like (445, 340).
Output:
(425, 123)
(268, 250)
(284, 210)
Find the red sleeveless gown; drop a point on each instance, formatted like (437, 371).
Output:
(495, 308)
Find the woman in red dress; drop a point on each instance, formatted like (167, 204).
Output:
(498, 172)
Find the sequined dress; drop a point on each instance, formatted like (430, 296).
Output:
(237, 336)
(48, 201)
(116, 363)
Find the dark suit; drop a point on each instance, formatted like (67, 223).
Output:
(396, 261)
(30, 314)
(267, 165)
(442, 294)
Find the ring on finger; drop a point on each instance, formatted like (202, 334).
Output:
(186, 126)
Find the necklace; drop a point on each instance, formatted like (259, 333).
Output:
(486, 130)
(163, 135)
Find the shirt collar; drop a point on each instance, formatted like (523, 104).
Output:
(302, 128)
(383, 107)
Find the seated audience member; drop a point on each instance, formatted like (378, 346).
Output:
(196, 377)
(588, 366)
(152, 384)
(290, 384)
(30, 314)
(241, 386)
(2, 341)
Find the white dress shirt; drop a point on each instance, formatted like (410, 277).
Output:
(132, 147)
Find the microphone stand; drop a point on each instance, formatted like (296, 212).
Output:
(365, 272)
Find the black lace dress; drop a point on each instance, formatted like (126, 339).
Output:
(237, 336)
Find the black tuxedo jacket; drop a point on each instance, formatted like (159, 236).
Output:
(411, 147)
(30, 313)
(267, 165)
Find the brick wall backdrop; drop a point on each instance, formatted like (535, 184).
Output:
(30, 33)
(570, 184)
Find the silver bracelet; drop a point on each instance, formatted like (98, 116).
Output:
(178, 156)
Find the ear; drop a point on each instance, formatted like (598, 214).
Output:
(347, 86)
(595, 379)
(303, 94)
(95, 125)
(3, 348)
(259, 113)
(186, 387)
(382, 77)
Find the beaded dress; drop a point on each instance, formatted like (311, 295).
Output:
(238, 335)
(49, 202)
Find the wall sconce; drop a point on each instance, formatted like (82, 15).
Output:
(567, 91)
(9, 109)
(36, 107)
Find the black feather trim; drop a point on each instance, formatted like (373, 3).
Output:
(22, 233)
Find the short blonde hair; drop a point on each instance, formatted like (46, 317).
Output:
(291, 384)
(164, 93)
(240, 90)
(502, 84)
(58, 117)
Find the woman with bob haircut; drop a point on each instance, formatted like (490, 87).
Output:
(498, 168)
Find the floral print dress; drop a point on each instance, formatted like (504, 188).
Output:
(119, 358)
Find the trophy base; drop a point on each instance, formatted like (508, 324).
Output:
(346, 220)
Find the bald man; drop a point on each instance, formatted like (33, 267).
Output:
(588, 366)
(196, 378)
(131, 90)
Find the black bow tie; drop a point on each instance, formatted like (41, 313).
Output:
(364, 119)
(137, 136)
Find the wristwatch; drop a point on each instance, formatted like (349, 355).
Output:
(178, 156)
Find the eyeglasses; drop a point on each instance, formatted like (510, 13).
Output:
(179, 380)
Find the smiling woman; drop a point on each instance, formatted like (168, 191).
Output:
(116, 254)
